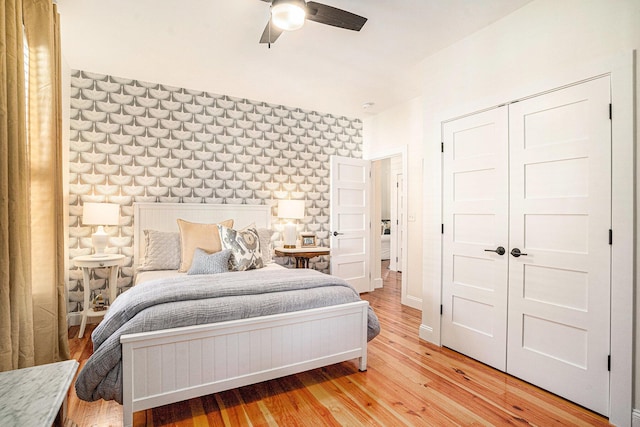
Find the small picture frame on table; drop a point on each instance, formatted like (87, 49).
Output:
(308, 240)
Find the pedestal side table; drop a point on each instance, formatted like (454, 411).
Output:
(88, 262)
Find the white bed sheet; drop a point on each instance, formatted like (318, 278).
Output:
(145, 276)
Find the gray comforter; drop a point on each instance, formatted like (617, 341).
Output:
(192, 300)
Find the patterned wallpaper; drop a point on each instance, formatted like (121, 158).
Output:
(134, 141)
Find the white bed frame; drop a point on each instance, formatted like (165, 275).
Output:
(171, 365)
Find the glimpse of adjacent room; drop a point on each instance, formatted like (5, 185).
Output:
(388, 214)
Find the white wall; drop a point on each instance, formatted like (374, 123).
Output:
(507, 60)
(376, 203)
(385, 189)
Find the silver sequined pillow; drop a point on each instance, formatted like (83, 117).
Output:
(162, 250)
(265, 244)
(206, 263)
(245, 247)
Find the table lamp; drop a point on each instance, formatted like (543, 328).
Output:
(100, 214)
(290, 210)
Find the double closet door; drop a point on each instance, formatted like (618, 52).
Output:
(526, 240)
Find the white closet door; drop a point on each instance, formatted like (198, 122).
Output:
(475, 214)
(560, 215)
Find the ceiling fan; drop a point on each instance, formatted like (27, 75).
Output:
(289, 15)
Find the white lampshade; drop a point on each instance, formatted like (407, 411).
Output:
(290, 209)
(288, 14)
(100, 214)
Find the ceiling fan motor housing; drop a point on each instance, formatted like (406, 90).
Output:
(288, 15)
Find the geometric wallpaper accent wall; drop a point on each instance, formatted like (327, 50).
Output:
(134, 141)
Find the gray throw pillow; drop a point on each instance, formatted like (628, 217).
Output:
(206, 263)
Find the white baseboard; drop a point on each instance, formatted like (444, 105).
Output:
(635, 418)
(426, 333)
(74, 319)
(412, 302)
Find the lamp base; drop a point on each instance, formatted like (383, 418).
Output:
(289, 236)
(99, 241)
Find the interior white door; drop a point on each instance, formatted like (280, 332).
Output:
(560, 216)
(350, 221)
(399, 239)
(475, 215)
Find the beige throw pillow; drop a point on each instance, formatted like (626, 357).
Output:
(194, 235)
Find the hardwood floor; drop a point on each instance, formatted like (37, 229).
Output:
(408, 382)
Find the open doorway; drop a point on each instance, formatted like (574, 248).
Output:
(387, 219)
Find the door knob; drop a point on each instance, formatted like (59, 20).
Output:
(516, 252)
(335, 233)
(499, 250)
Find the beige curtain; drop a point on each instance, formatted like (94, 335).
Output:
(33, 327)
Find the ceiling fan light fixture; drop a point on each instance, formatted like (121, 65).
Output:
(288, 15)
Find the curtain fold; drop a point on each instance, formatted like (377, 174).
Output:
(16, 320)
(33, 328)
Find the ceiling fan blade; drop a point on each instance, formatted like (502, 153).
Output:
(330, 15)
(270, 33)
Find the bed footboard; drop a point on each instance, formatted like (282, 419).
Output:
(171, 365)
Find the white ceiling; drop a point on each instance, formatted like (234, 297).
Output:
(212, 45)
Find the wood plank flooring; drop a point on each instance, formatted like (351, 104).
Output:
(408, 382)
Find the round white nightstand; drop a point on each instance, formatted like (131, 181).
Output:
(87, 262)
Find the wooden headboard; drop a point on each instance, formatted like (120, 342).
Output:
(163, 216)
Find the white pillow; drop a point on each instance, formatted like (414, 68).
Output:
(162, 250)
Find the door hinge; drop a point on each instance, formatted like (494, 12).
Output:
(609, 363)
(442, 231)
(442, 147)
(441, 309)
(610, 111)
(396, 259)
(610, 236)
